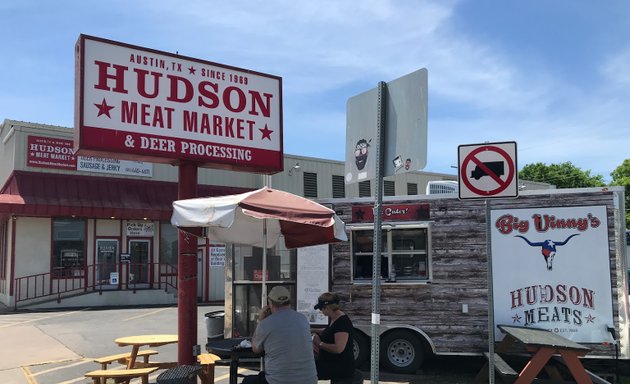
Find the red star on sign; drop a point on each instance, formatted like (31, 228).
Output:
(590, 318)
(191, 70)
(103, 108)
(266, 133)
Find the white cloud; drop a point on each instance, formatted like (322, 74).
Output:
(616, 69)
(328, 51)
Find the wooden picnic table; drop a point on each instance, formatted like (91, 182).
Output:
(136, 342)
(232, 348)
(542, 345)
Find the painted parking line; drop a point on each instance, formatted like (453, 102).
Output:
(17, 319)
(80, 362)
(83, 378)
(33, 320)
(147, 314)
(28, 376)
(33, 376)
(78, 379)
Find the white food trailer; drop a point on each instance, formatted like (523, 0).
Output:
(558, 262)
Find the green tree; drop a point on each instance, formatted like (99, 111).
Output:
(564, 175)
(621, 176)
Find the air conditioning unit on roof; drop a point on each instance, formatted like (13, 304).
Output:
(442, 186)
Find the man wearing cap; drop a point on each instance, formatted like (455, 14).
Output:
(283, 335)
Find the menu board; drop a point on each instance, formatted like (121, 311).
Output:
(312, 280)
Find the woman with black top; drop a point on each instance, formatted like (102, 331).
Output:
(333, 344)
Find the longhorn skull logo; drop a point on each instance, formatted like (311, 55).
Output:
(548, 248)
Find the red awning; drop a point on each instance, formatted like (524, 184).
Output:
(49, 194)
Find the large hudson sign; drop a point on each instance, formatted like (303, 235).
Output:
(144, 104)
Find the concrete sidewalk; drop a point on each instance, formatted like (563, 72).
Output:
(29, 345)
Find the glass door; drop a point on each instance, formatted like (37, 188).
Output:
(107, 263)
(139, 261)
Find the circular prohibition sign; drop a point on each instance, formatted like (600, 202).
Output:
(503, 184)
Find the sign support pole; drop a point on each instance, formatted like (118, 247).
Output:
(376, 256)
(490, 296)
(187, 273)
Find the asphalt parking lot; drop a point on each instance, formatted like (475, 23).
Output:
(58, 347)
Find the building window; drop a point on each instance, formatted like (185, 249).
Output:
(169, 236)
(338, 187)
(442, 186)
(364, 188)
(405, 254)
(310, 184)
(68, 248)
(412, 189)
(389, 188)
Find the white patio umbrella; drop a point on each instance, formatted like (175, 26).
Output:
(258, 218)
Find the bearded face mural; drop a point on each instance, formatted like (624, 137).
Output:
(361, 153)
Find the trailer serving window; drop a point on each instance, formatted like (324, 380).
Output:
(405, 253)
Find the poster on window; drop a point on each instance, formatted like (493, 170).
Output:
(140, 228)
(217, 255)
(551, 270)
(312, 281)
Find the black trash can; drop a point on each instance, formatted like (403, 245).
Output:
(215, 324)
(181, 374)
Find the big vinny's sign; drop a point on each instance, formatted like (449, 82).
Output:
(149, 105)
(551, 270)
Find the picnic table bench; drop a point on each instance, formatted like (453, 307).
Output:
(502, 367)
(134, 369)
(123, 358)
(121, 375)
(207, 362)
(542, 345)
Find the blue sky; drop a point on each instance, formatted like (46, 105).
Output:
(554, 76)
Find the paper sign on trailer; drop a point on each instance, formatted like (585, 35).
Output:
(157, 106)
(312, 281)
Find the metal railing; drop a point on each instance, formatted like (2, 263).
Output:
(62, 283)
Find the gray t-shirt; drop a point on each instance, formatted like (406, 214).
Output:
(286, 339)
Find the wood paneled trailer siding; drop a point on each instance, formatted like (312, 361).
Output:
(459, 269)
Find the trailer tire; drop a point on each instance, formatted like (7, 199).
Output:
(401, 351)
(361, 348)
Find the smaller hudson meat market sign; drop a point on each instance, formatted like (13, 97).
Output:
(156, 106)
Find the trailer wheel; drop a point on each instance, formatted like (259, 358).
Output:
(361, 348)
(401, 352)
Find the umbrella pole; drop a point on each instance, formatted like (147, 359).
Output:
(264, 278)
(264, 266)
(263, 296)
